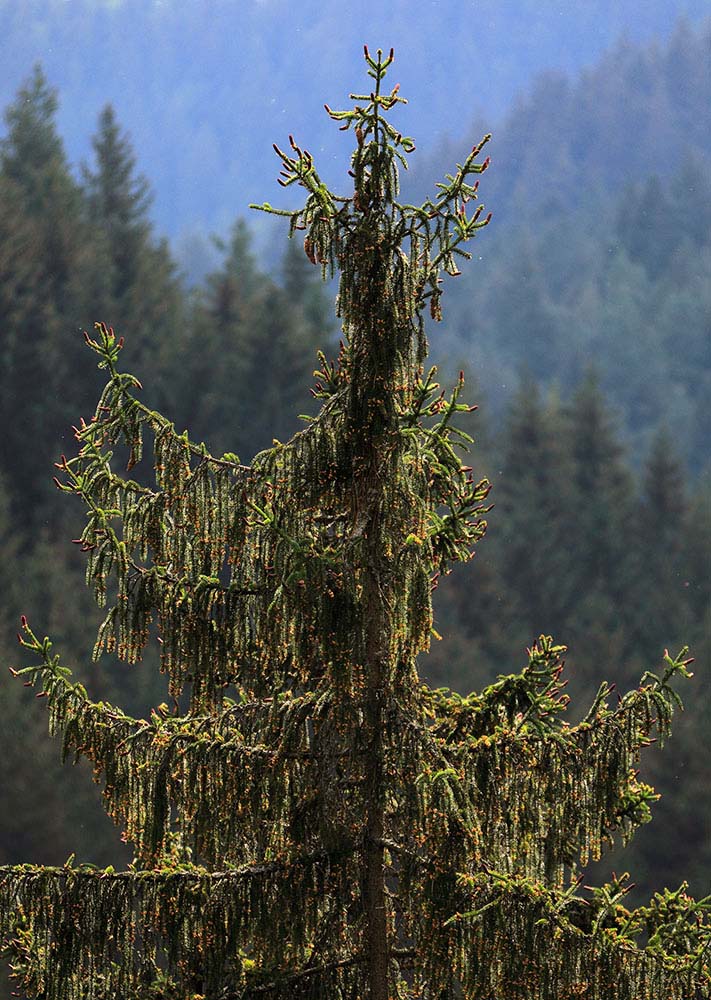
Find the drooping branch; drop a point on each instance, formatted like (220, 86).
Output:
(496, 779)
(82, 934)
(493, 934)
(232, 784)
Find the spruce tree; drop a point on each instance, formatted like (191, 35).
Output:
(118, 201)
(245, 325)
(314, 821)
(537, 512)
(43, 226)
(662, 598)
(599, 471)
(134, 278)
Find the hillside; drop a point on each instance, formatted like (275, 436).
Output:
(205, 88)
(600, 249)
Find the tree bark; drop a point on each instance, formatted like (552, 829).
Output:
(378, 626)
(377, 943)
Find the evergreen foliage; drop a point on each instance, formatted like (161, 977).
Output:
(536, 465)
(43, 222)
(251, 345)
(135, 279)
(320, 822)
(587, 286)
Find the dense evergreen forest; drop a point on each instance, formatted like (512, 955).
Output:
(247, 66)
(600, 249)
(586, 323)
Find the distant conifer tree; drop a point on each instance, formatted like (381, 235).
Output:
(134, 278)
(43, 265)
(320, 823)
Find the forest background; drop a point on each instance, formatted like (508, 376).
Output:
(583, 325)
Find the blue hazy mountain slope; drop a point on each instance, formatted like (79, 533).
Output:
(205, 87)
(574, 139)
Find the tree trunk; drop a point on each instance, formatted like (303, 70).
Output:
(377, 625)
(374, 889)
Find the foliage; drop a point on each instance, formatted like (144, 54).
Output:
(42, 219)
(574, 289)
(251, 345)
(320, 821)
(610, 260)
